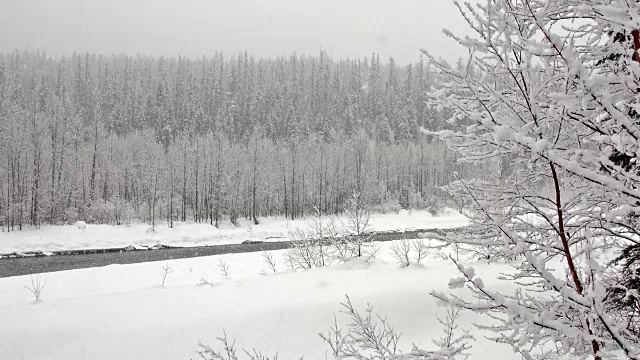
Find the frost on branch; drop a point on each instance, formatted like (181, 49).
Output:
(450, 341)
(367, 336)
(358, 237)
(229, 352)
(623, 295)
(324, 244)
(550, 97)
(370, 336)
(405, 251)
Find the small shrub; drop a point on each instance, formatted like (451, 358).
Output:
(270, 260)
(367, 336)
(37, 285)
(229, 351)
(421, 249)
(401, 250)
(303, 253)
(166, 270)
(224, 269)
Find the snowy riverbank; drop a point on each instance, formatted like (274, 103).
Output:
(70, 237)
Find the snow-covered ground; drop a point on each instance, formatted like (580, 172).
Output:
(73, 237)
(122, 311)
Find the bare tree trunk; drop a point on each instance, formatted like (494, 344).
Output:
(35, 190)
(171, 196)
(320, 182)
(336, 186)
(301, 198)
(155, 197)
(197, 164)
(52, 186)
(23, 191)
(184, 181)
(284, 185)
(255, 180)
(567, 254)
(93, 164)
(10, 193)
(233, 212)
(57, 188)
(636, 45)
(326, 188)
(218, 189)
(293, 183)
(211, 190)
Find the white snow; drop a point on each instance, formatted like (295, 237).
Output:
(81, 225)
(82, 236)
(122, 312)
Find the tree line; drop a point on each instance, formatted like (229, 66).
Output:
(116, 139)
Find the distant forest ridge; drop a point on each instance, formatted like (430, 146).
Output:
(112, 139)
(283, 98)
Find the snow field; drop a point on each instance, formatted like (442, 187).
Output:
(122, 311)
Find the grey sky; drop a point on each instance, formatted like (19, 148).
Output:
(344, 28)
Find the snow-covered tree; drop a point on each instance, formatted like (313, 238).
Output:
(326, 127)
(541, 97)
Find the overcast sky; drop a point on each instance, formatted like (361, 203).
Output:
(267, 28)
